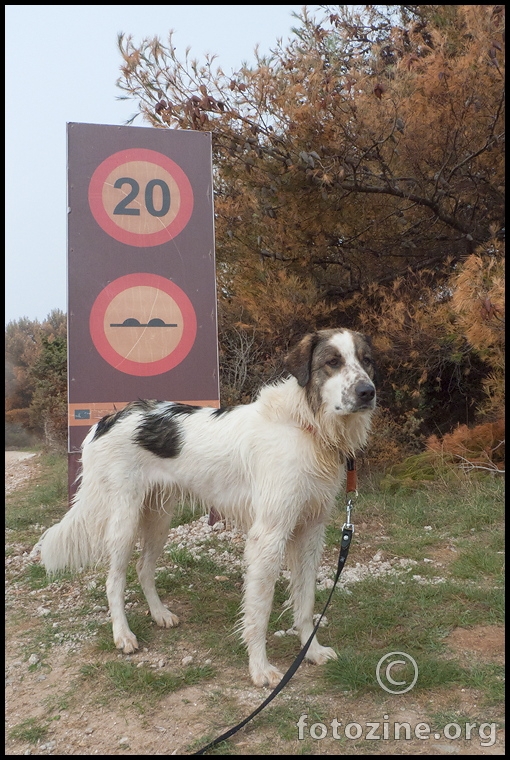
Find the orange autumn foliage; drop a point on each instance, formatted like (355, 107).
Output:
(481, 445)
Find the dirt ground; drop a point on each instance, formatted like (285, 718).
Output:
(19, 467)
(82, 723)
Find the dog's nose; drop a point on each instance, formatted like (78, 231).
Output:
(365, 392)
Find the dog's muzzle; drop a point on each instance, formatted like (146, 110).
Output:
(364, 392)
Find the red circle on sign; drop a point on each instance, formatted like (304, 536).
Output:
(169, 225)
(140, 282)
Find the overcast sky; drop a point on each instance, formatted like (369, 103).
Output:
(62, 63)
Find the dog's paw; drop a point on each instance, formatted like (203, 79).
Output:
(166, 619)
(319, 654)
(268, 676)
(127, 642)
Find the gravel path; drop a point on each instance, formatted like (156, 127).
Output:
(19, 467)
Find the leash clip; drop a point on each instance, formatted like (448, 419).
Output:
(349, 507)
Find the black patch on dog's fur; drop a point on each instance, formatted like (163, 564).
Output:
(105, 424)
(160, 432)
(161, 435)
(108, 421)
(222, 410)
(177, 408)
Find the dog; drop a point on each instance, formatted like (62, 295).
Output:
(273, 467)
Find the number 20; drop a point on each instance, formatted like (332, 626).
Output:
(122, 208)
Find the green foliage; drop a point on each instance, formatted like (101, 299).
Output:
(415, 471)
(48, 408)
(473, 561)
(129, 679)
(31, 730)
(432, 466)
(36, 377)
(352, 672)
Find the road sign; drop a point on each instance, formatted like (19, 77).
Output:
(143, 324)
(141, 271)
(140, 197)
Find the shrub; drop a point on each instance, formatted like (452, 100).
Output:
(481, 445)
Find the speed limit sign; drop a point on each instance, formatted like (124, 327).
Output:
(140, 197)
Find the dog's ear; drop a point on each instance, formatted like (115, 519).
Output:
(299, 361)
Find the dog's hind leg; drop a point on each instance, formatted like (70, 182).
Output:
(304, 551)
(120, 541)
(154, 528)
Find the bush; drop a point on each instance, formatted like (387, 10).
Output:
(481, 445)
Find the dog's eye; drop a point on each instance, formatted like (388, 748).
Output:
(335, 362)
(367, 361)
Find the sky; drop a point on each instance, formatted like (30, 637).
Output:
(62, 63)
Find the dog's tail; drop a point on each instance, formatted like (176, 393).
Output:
(77, 541)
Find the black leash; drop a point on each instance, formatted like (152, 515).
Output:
(347, 532)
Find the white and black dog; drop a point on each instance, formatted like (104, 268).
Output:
(272, 467)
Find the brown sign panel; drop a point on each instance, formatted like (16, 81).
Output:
(141, 271)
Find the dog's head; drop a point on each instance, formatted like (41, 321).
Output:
(336, 369)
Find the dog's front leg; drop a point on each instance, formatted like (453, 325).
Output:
(264, 555)
(303, 556)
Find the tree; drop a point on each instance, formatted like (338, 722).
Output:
(48, 407)
(21, 349)
(35, 392)
(479, 305)
(362, 147)
(442, 347)
(363, 163)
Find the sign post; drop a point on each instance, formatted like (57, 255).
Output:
(142, 317)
